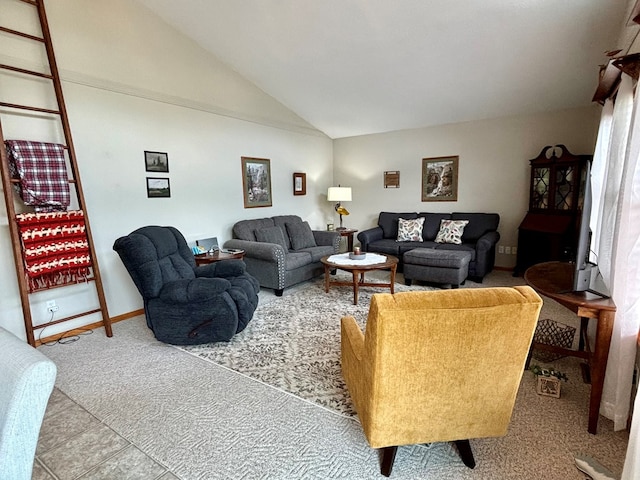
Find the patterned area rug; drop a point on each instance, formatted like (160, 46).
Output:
(293, 342)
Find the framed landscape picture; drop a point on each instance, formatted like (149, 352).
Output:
(256, 182)
(156, 161)
(440, 179)
(158, 187)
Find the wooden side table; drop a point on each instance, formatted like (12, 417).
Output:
(348, 232)
(554, 280)
(205, 258)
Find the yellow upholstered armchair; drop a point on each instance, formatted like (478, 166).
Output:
(438, 366)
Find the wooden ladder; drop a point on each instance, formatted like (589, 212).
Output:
(74, 180)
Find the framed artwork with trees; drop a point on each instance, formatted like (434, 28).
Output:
(256, 182)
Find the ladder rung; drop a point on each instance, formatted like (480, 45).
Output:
(83, 314)
(28, 72)
(27, 107)
(17, 180)
(22, 34)
(84, 280)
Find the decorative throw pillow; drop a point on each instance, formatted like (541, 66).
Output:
(410, 230)
(272, 235)
(451, 231)
(301, 235)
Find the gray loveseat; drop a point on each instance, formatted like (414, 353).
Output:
(282, 251)
(479, 238)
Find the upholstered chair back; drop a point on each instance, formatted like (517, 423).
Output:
(438, 366)
(154, 256)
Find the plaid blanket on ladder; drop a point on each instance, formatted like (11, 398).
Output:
(42, 171)
(55, 248)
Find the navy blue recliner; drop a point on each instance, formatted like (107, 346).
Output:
(186, 304)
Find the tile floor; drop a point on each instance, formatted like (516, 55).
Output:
(74, 444)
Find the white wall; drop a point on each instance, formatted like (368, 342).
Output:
(133, 84)
(493, 166)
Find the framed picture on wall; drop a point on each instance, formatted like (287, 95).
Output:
(299, 183)
(440, 179)
(256, 182)
(158, 187)
(156, 161)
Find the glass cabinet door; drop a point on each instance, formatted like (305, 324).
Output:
(540, 191)
(565, 185)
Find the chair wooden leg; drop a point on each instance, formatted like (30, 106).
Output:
(388, 457)
(464, 449)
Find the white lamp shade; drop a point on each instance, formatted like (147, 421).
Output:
(339, 194)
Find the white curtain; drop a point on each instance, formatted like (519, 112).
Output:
(616, 241)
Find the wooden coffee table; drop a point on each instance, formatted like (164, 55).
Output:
(358, 271)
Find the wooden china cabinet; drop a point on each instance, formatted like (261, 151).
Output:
(549, 230)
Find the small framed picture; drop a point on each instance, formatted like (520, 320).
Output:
(156, 161)
(256, 182)
(158, 187)
(392, 179)
(299, 183)
(440, 179)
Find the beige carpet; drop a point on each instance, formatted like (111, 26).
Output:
(205, 421)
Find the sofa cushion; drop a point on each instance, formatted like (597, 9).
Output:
(245, 229)
(432, 224)
(388, 221)
(272, 235)
(451, 231)
(300, 235)
(479, 224)
(282, 220)
(318, 252)
(295, 260)
(410, 230)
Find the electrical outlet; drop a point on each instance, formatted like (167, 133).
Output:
(500, 249)
(51, 306)
(514, 250)
(507, 250)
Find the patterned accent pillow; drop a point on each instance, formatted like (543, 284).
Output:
(451, 231)
(410, 230)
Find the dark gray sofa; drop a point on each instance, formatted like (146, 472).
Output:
(479, 238)
(282, 251)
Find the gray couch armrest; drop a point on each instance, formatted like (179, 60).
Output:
(325, 237)
(260, 250)
(487, 241)
(371, 235)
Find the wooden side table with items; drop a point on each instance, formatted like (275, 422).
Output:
(347, 232)
(554, 280)
(205, 258)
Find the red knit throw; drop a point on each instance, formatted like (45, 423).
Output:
(54, 248)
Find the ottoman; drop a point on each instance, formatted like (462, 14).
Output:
(436, 266)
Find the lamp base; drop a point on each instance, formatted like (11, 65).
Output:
(342, 228)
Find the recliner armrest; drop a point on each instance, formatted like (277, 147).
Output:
(223, 268)
(194, 289)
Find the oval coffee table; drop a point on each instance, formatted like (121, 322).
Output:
(358, 269)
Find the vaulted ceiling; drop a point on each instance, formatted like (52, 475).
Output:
(354, 67)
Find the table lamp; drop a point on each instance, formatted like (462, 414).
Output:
(340, 194)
